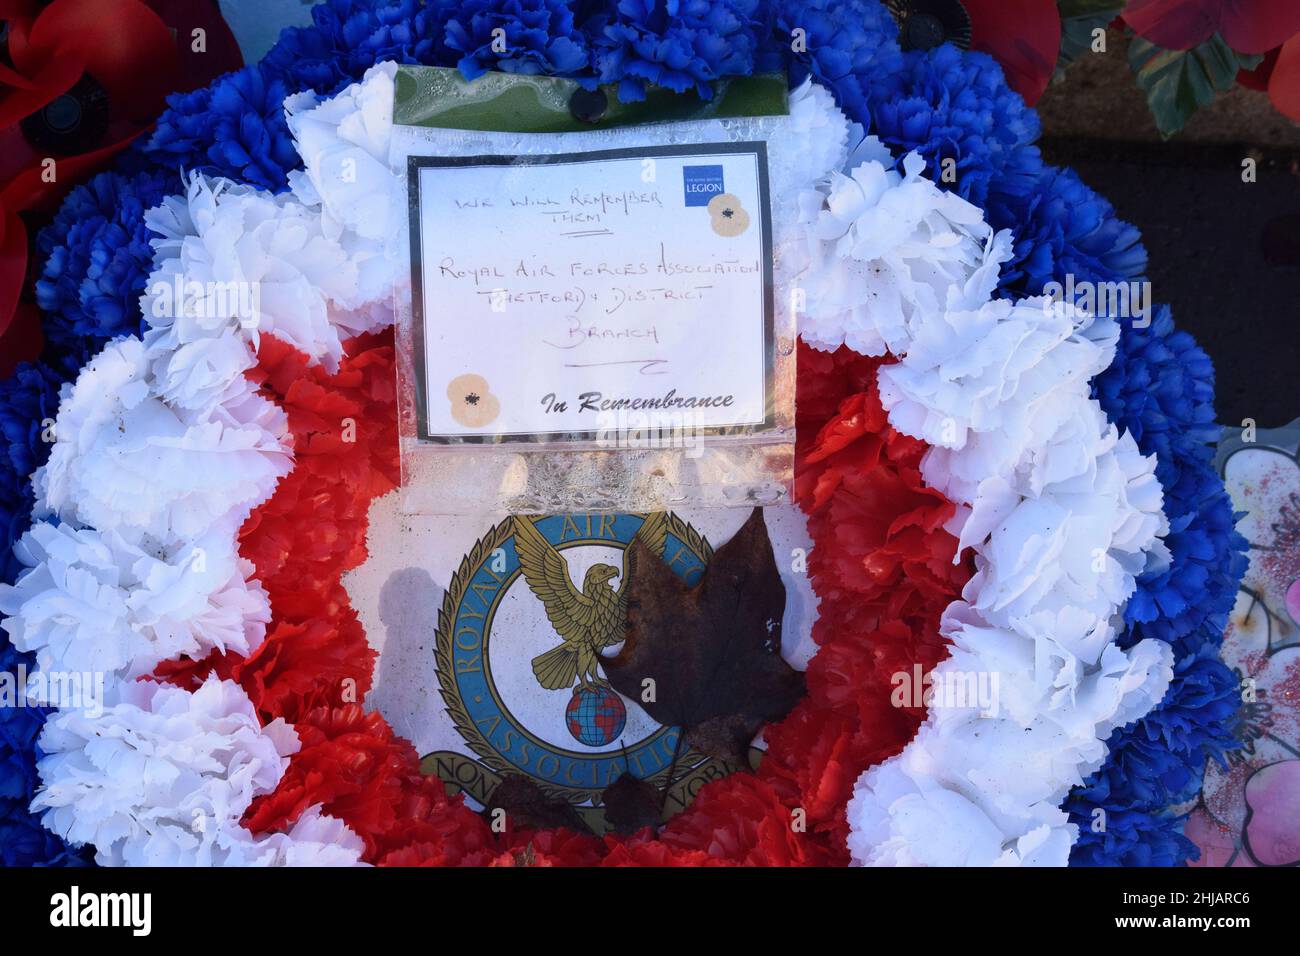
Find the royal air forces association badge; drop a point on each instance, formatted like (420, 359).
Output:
(530, 613)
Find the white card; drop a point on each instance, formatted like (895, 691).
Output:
(563, 297)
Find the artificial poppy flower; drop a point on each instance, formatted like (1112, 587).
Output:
(1278, 76)
(1284, 83)
(79, 80)
(1022, 35)
(1247, 26)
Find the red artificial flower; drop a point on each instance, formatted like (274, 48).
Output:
(320, 662)
(643, 849)
(818, 753)
(1284, 82)
(1023, 35)
(352, 764)
(550, 848)
(81, 80)
(344, 433)
(742, 819)
(1279, 76)
(1247, 26)
(882, 567)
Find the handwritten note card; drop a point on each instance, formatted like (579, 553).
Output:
(559, 296)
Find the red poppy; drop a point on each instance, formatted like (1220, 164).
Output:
(1284, 84)
(1248, 26)
(82, 79)
(1023, 35)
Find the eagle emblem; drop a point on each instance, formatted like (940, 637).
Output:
(589, 619)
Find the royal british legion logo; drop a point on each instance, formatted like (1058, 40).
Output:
(702, 183)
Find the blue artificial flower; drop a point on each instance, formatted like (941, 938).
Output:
(1133, 838)
(23, 841)
(1157, 763)
(1062, 228)
(234, 128)
(843, 44)
(1160, 388)
(97, 260)
(348, 37)
(28, 400)
(678, 44)
(950, 105)
(513, 36)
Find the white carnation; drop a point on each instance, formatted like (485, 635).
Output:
(1012, 370)
(343, 142)
(93, 603)
(885, 249)
(231, 257)
(821, 128)
(163, 777)
(124, 460)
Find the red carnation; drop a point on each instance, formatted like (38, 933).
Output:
(642, 849)
(351, 763)
(741, 819)
(551, 848)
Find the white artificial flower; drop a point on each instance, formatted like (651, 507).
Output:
(124, 460)
(198, 374)
(231, 257)
(821, 129)
(1012, 370)
(343, 142)
(315, 839)
(884, 249)
(162, 778)
(93, 603)
(976, 788)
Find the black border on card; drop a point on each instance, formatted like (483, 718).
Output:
(756, 148)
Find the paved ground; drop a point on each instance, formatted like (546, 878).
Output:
(1225, 254)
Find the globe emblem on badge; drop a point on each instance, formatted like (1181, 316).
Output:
(595, 715)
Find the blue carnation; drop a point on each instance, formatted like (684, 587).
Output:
(1157, 763)
(23, 841)
(1134, 838)
(1062, 228)
(533, 36)
(27, 400)
(97, 260)
(678, 44)
(950, 105)
(1160, 389)
(233, 128)
(348, 37)
(843, 44)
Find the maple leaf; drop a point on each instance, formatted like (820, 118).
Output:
(631, 804)
(529, 807)
(713, 651)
